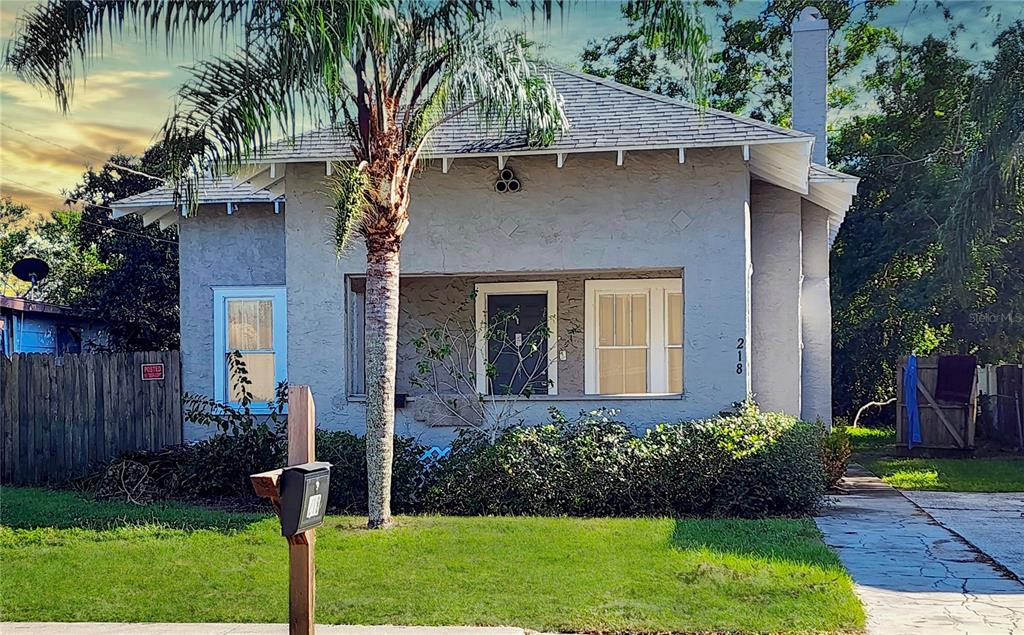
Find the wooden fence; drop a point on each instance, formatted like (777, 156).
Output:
(61, 415)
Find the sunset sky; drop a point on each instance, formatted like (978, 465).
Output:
(129, 92)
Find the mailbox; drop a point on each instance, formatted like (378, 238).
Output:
(303, 491)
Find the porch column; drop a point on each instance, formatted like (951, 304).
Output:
(816, 316)
(775, 357)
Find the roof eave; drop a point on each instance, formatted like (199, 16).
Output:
(553, 149)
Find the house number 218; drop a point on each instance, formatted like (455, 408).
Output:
(739, 355)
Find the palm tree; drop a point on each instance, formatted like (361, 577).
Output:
(387, 72)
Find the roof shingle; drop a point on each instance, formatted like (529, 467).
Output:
(211, 190)
(602, 114)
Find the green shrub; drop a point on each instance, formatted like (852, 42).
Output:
(347, 453)
(220, 467)
(835, 454)
(212, 468)
(748, 463)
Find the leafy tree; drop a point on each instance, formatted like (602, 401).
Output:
(751, 71)
(983, 238)
(54, 240)
(136, 293)
(936, 151)
(387, 73)
(114, 270)
(15, 228)
(991, 192)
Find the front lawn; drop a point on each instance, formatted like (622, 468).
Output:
(873, 447)
(65, 558)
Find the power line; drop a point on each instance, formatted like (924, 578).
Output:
(125, 231)
(89, 222)
(63, 147)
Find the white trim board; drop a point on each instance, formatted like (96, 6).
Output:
(484, 289)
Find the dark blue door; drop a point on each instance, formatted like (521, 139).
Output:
(518, 346)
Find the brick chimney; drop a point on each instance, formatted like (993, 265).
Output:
(810, 78)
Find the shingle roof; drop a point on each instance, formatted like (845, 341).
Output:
(211, 190)
(822, 173)
(602, 114)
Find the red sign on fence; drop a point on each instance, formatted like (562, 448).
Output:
(152, 372)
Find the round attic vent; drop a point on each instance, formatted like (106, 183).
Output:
(507, 182)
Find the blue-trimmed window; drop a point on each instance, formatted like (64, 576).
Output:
(252, 321)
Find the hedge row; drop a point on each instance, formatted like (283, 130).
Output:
(750, 463)
(747, 463)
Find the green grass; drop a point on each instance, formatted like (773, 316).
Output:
(871, 439)
(66, 558)
(873, 448)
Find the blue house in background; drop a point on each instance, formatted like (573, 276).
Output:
(29, 326)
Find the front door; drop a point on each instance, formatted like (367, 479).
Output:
(518, 344)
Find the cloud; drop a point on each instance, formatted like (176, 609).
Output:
(39, 203)
(35, 172)
(94, 90)
(70, 145)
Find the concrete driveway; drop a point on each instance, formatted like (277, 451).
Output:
(913, 574)
(994, 523)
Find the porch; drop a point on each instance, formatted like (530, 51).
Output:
(574, 340)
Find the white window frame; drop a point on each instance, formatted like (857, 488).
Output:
(485, 289)
(356, 315)
(221, 295)
(656, 290)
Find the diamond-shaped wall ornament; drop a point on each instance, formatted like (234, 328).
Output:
(682, 219)
(508, 227)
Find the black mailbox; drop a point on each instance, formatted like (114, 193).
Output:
(303, 491)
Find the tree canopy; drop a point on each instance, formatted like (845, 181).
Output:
(930, 257)
(117, 271)
(750, 70)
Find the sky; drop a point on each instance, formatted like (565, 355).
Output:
(129, 92)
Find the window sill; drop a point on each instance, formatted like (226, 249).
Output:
(254, 408)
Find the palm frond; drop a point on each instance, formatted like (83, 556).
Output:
(232, 108)
(489, 75)
(676, 28)
(55, 40)
(348, 187)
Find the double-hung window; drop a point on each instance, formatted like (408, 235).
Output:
(251, 321)
(634, 336)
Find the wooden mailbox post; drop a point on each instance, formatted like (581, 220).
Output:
(301, 570)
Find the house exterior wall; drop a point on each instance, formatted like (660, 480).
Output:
(775, 303)
(589, 215)
(30, 332)
(245, 248)
(741, 248)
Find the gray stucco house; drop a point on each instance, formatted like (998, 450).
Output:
(693, 248)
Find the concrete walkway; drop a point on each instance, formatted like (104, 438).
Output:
(994, 523)
(913, 574)
(102, 628)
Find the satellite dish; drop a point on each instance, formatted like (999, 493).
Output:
(30, 270)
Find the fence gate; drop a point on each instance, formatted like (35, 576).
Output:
(944, 425)
(60, 415)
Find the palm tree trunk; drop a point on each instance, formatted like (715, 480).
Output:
(382, 274)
